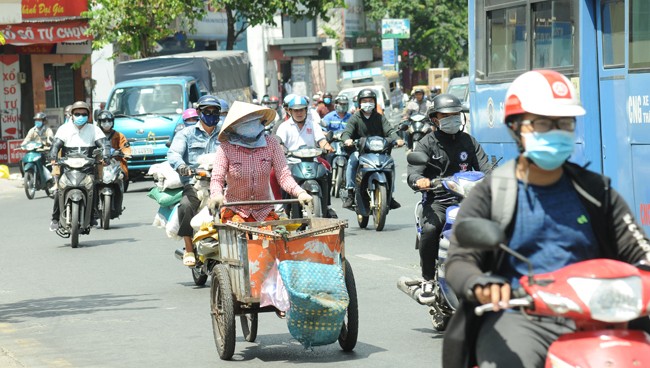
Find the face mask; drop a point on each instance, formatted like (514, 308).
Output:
(367, 107)
(79, 120)
(106, 126)
(549, 150)
(249, 134)
(327, 101)
(210, 120)
(38, 123)
(450, 124)
(340, 109)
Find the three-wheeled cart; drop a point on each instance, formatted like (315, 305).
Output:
(246, 254)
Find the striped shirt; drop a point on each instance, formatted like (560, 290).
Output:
(247, 172)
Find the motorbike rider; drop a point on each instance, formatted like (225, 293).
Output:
(118, 141)
(187, 146)
(561, 214)
(366, 122)
(325, 106)
(450, 150)
(244, 160)
(300, 130)
(77, 136)
(40, 133)
(225, 107)
(190, 117)
(335, 121)
(435, 90)
(418, 105)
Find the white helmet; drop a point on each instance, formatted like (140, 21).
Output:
(542, 92)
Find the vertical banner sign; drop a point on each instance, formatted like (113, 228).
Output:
(388, 53)
(9, 97)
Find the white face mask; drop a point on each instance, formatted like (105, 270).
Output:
(367, 107)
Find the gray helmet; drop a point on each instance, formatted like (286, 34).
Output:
(445, 103)
(40, 116)
(80, 105)
(68, 110)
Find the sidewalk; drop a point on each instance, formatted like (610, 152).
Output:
(7, 360)
(11, 186)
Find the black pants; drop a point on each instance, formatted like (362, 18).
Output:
(187, 209)
(432, 221)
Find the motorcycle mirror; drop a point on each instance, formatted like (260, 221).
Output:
(417, 158)
(403, 127)
(329, 136)
(479, 233)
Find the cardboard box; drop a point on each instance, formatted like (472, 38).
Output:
(439, 77)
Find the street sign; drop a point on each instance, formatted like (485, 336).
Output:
(388, 52)
(395, 28)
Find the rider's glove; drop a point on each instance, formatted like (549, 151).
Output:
(304, 198)
(215, 202)
(184, 170)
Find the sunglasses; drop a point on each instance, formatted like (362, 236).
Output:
(79, 114)
(210, 112)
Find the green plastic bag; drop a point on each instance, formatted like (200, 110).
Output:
(166, 198)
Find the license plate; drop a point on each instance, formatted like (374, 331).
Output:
(141, 150)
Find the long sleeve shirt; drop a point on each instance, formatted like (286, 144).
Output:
(188, 145)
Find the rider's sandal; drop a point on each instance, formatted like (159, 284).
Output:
(188, 259)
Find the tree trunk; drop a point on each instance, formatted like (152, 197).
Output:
(230, 40)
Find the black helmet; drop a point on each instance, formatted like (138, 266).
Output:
(266, 100)
(327, 94)
(342, 99)
(105, 115)
(365, 93)
(40, 116)
(445, 103)
(208, 100)
(435, 89)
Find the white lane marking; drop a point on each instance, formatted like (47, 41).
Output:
(372, 257)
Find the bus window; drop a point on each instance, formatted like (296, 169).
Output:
(507, 42)
(613, 27)
(553, 26)
(639, 34)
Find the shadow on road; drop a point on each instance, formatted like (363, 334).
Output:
(66, 306)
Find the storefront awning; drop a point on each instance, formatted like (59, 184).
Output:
(47, 32)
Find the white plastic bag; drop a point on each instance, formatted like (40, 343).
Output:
(173, 224)
(200, 218)
(273, 291)
(165, 176)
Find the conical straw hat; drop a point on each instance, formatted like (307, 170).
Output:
(239, 111)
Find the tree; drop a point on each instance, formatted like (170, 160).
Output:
(438, 30)
(135, 26)
(255, 12)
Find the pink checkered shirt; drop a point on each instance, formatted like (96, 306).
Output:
(247, 172)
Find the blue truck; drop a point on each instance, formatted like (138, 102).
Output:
(151, 94)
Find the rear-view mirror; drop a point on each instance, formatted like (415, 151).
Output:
(417, 158)
(479, 233)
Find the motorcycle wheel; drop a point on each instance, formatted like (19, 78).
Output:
(74, 225)
(222, 309)
(48, 188)
(317, 206)
(106, 211)
(379, 212)
(126, 186)
(363, 221)
(30, 184)
(198, 276)
(249, 326)
(350, 327)
(338, 182)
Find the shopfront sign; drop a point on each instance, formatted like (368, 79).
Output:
(53, 8)
(9, 97)
(31, 33)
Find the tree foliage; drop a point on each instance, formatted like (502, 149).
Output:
(135, 26)
(246, 13)
(438, 30)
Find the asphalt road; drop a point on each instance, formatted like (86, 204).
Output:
(123, 300)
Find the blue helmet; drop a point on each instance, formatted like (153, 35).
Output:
(208, 100)
(224, 105)
(287, 98)
(298, 102)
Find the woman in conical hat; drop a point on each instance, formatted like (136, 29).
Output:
(244, 160)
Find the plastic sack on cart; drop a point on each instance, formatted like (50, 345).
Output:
(319, 300)
(273, 291)
(165, 176)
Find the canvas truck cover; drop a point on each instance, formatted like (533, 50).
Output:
(224, 73)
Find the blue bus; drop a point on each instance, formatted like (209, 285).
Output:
(603, 46)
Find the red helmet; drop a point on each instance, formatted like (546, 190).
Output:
(542, 92)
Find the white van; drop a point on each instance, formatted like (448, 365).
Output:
(373, 77)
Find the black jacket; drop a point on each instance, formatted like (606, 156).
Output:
(618, 236)
(376, 125)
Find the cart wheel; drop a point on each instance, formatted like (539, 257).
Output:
(222, 310)
(198, 276)
(350, 328)
(249, 326)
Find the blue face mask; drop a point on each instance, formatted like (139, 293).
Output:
(210, 120)
(38, 123)
(249, 134)
(327, 100)
(80, 120)
(549, 150)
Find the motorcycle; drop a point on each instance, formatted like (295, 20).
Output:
(373, 181)
(110, 190)
(416, 127)
(313, 177)
(339, 162)
(76, 194)
(36, 175)
(444, 302)
(600, 295)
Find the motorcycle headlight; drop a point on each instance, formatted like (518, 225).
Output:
(375, 145)
(88, 182)
(108, 175)
(610, 300)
